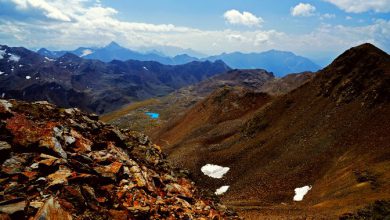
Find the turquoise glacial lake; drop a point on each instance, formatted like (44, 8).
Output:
(152, 115)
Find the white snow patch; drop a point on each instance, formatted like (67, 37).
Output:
(6, 104)
(28, 77)
(1, 73)
(86, 52)
(221, 190)
(14, 57)
(145, 68)
(214, 171)
(301, 192)
(48, 59)
(2, 53)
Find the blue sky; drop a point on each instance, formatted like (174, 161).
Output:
(318, 29)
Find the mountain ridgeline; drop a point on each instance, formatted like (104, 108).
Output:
(278, 62)
(174, 105)
(330, 134)
(324, 133)
(92, 85)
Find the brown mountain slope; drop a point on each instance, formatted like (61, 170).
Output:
(331, 133)
(281, 86)
(177, 103)
(212, 120)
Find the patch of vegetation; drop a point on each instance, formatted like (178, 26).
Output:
(125, 110)
(377, 211)
(367, 176)
(259, 123)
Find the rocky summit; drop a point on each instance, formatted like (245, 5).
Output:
(64, 164)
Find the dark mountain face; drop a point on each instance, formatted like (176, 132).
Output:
(330, 134)
(278, 62)
(71, 81)
(81, 52)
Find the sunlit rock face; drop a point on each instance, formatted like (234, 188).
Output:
(65, 164)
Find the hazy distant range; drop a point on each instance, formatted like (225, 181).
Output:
(278, 62)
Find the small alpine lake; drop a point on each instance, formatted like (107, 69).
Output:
(153, 115)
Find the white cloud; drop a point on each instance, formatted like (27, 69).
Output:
(327, 16)
(303, 9)
(334, 39)
(262, 38)
(358, 6)
(236, 37)
(47, 8)
(93, 25)
(245, 18)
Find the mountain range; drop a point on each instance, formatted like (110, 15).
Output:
(93, 85)
(278, 62)
(329, 135)
(176, 104)
(302, 146)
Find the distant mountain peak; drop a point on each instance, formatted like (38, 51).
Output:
(278, 62)
(113, 45)
(43, 50)
(70, 57)
(280, 52)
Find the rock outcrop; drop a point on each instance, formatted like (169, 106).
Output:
(64, 164)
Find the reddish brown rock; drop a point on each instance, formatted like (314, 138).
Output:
(13, 207)
(82, 144)
(60, 177)
(52, 210)
(62, 164)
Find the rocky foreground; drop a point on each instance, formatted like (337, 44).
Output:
(64, 164)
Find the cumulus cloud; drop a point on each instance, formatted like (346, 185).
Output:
(48, 9)
(93, 25)
(327, 16)
(303, 9)
(236, 37)
(334, 39)
(358, 6)
(245, 18)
